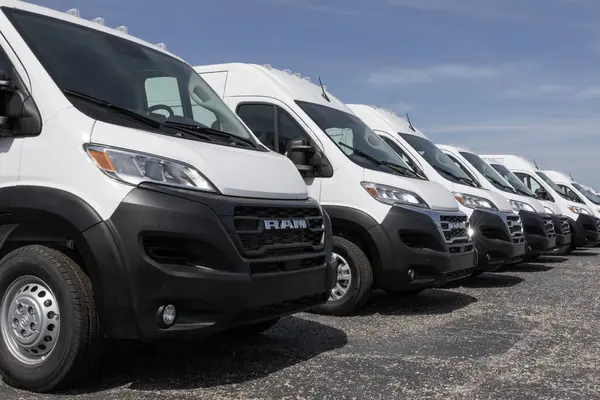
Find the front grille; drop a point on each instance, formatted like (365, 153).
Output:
(455, 229)
(515, 226)
(565, 226)
(461, 273)
(549, 225)
(278, 231)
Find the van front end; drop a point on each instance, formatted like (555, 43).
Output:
(422, 248)
(540, 233)
(499, 239)
(585, 230)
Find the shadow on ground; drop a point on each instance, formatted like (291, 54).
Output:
(177, 365)
(429, 302)
(526, 267)
(583, 253)
(489, 280)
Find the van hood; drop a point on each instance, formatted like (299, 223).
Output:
(434, 194)
(500, 201)
(234, 171)
(552, 206)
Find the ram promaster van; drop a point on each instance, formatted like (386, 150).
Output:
(124, 216)
(393, 229)
(562, 228)
(498, 232)
(585, 228)
(575, 191)
(537, 224)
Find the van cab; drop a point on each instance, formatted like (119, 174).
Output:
(130, 203)
(498, 232)
(585, 228)
(393, 229)
(562, 228)
(537, 224)
(575, 191)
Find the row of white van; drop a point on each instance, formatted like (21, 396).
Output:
(141, 198)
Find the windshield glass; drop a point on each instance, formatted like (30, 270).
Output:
(355, 139)
(124, 74)
(513, 180)
(437, 159)
(589, 195)
(553, 185)
(488, 172)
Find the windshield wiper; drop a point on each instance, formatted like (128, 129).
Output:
(492, 179)
(122, 110)
(194, 128)
(396, 167)
(452, 174)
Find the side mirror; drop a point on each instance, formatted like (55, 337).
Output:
(541, 193)
(308, 159)
(19, 116)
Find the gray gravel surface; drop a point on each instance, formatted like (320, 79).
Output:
(528, 332)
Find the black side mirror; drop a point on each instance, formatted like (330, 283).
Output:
(19, 116)
(541, 193)
(308, 159)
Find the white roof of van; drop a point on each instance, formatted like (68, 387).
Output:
(263, 80)
(509, 159)
(454, 147)
(22, 5)
(558, 177)
(383, 119)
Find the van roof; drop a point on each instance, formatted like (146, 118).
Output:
(383, 119)
(22, 5)
(264, 80)
(513, 161)
(455, 148)
(558, 176)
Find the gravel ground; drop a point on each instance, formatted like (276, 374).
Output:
(528, 332)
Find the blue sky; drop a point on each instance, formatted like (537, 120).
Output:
(496, 76)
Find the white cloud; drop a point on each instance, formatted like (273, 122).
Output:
(405, 76)
(541, 90)
(589, 93)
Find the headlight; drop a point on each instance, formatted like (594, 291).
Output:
(392, 195)
(578, 210)
(134, 168)
(471, 201)
(519, 205)
(548, 210)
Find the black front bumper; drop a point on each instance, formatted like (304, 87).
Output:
(538, 236)
(562, 228)
(496, 245)
(189, 249)
(585, 231)
(409, 238)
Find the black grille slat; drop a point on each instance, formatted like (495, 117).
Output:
(457, 239)
(515, 227)
(549, 226)
(565, 226)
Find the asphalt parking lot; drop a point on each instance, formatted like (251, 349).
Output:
(530, 331)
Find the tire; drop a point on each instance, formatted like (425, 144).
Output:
(253, 329)
(361, 281)
(74, 348)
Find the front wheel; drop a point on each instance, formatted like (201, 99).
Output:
(354, 279)
(49, 329)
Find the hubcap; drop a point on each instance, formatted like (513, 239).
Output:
(344, 278)
(29, 320)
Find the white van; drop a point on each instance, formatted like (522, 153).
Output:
(562, 227)
(585, 228)
(498, 232)
(117, 221)
(537, 224)
(574, 191)
(393, 229)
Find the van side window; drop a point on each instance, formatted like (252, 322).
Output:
(272, 125)
(529, 181)
(571, 194)
(401, 153)
(6, 65)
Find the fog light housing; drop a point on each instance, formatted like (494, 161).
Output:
(470, 232)
(167, 315)
(411, 275)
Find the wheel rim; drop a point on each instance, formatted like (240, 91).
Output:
(344, 278)
(29, 320)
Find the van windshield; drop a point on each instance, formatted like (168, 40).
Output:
(589, 195)
(513, 180)
(488, 172)
(438, 159)
(356, 140)
(113, 79)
